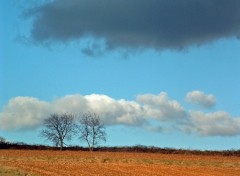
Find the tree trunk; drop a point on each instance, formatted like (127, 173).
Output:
(89, 146)
(61, 145)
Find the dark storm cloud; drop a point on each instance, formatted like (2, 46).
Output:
(158, 24)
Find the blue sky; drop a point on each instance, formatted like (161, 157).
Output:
(180, 89)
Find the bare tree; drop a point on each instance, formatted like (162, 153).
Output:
(92, 130)
(58, 127)
(2, 140)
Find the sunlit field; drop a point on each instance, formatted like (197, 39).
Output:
(46, 162)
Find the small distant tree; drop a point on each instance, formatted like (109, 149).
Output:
(91, 130)
(2, 140)
(58, 128)
(3, 143)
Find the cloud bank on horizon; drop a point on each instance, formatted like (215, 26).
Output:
(161, 24)
(157, 113)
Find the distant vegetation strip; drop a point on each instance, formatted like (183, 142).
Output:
(136, 148)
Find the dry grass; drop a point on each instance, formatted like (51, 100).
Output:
(54, 163)
(9, 171)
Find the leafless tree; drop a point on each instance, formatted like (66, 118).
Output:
(2, 140)
(92, 130)
(58, 127)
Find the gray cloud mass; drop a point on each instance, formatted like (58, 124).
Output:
(158, 24)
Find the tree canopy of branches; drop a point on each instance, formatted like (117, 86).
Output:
(58, 127)
(91, 130)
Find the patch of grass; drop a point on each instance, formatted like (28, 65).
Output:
(106, 160)
(7, 171)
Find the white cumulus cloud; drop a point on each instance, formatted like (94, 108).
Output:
(152, 112)
(217, 123)
(111, 111)
(161, 107)
(201, 99)
(24, 112)
(29, 112)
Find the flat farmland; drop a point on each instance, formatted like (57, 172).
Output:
(55, 163)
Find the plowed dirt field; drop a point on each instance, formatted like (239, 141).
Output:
(67, 163)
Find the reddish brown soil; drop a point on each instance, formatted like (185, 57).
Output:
(55, 163)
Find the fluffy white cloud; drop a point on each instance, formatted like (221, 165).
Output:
(201, 99)
(28, 112)
(151, 112)
(111, 111)
(217, 123)
(161, 107)
(23, 112)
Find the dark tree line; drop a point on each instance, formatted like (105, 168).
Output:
(59, 128)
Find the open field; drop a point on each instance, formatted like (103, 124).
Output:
(55, 163)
